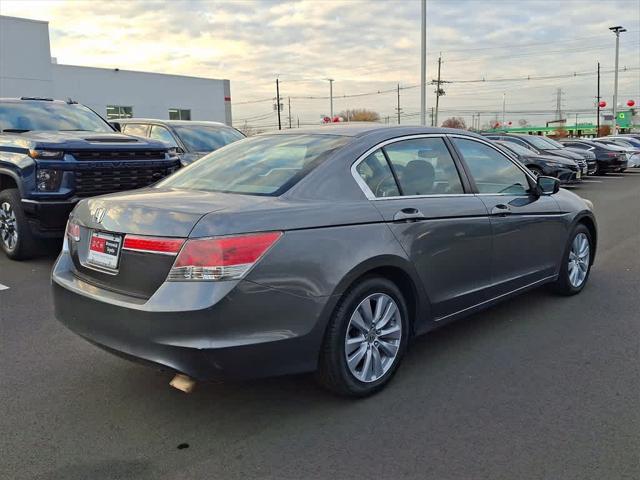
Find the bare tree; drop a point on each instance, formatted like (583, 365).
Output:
(604, 130)
(360, 115)
(455, 122)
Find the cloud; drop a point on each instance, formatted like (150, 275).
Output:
(365, 45)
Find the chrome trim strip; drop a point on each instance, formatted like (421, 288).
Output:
(363, 185)
(542, 280)
(171, 254)
(370, 196)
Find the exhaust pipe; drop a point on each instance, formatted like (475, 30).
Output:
(183, 383)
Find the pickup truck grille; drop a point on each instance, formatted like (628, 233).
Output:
(99, 181)
(118, 155)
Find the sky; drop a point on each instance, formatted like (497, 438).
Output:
(366, 47)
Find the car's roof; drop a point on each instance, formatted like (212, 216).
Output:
(201, 123)
(32, 100)
(360, 129)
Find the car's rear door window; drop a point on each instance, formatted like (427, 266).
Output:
(492, 171)
(376, 173)
(262, 165)
(424, 166)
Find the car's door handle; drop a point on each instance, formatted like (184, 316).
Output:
(501, 210)
(408, 215)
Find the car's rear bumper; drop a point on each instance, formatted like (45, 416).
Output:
(205, 330)
(612, 166)
(47, 219)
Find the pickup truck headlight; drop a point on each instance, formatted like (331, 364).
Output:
(46, 154)
(48, 180)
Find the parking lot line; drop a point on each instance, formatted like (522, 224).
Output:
(3, 287)
(592, 181)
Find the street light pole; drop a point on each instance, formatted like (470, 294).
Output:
(423, 65)
(617, 30)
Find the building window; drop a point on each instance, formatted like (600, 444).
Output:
(179, 114)
(118, 111)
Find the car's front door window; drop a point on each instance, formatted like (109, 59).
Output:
(424, 166)
(492, 171)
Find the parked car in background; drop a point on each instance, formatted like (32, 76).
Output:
(53, 153)
(589, 157)
(191, 139)
(565, 170)
(541, 146)
(632, 151)
(221, 269)
(610, 159)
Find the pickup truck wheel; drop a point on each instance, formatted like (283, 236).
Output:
(16, 239)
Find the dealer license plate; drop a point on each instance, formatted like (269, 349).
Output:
(104, 250)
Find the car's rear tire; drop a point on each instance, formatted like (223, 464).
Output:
(16, 239)
(576, 262)
(366, 338)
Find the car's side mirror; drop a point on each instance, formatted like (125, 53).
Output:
(547, 185)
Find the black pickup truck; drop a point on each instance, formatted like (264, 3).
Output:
(54, 153)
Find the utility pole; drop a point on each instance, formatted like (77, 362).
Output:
(432, 115)
(289, 98)
(478, 121)
(398, 108)
(330, 80)
(423, 65)
(278, 102)
(559, 94)
(504, 105)
(598, 104)
(617, 30)
(438, 89)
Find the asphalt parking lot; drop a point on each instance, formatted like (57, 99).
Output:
(541, 387)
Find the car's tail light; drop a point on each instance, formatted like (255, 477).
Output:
(221, 258)
(73, 231)
(166, 246)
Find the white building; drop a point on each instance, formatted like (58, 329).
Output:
(28, 70)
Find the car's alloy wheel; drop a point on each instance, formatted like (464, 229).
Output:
(16, 239)
(373, 337)
(366, 338)
(579, 258)
(8, 227)
(576, 263)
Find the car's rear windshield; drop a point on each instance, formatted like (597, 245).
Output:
(198, 138)
(263, 165)
(25, 116)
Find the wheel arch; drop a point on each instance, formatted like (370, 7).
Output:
(589, 222)
(401, 272)
(8, 179)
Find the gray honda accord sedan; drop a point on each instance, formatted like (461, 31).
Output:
(325, 249)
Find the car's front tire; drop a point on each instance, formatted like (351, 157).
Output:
(16, 240)
(576, 262)
(366, 338)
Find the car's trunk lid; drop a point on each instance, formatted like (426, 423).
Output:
(152, 212)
